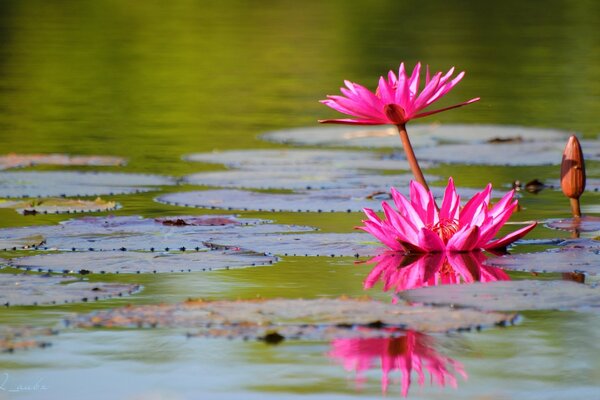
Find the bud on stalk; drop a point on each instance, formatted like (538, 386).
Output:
(572, 174)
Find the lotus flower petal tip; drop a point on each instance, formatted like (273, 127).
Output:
(418, 226)
(397, 99)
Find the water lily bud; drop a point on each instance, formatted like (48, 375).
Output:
(572, 170)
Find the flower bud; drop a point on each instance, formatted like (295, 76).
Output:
(572, 170)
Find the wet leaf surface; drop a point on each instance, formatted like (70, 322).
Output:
(132, 262)
(74, 184)
(340, 160)
(32, 290)
(136, 233)
(584, 224)
(330, 200)
(59, 206)
(306, 244)
(421, 135)
(512, 296)
(291, 318)
(526, 153)
(13, 160)
(565, 259)
(22, 338)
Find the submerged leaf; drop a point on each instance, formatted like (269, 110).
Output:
(141, 262)
(28, 290)
(512, 296)
(298, 318)
(13, 160)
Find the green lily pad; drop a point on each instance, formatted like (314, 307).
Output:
(119, 262)
(291, 318)
(33, 290)
(330, 200)
(421, 135)
(75, 184)
(27, 160)
(136, 233)
(512, 296)
(565, 259)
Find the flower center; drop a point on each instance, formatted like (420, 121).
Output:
(445, 228)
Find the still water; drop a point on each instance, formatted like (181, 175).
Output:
(151, 81)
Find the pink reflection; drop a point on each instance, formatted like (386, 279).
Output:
(411, 352)
(399, 271)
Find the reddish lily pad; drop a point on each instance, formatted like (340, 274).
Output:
(306, 244)
(291, 318)
(584, 224)
(566, 259)
(59, 206)
(24, 337)
(141, 262)
(13, 160)
(526, 153)
(135, 233)
(331, 200)
(420, 135)
(73, 184)
(512, 296)
(33, 290)
(20, 241)
(306, 158)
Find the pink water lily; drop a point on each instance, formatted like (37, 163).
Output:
(413, 352)
(397, 99)
(418, 226)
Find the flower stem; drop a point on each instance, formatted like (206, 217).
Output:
(575, 207)
(410, 156)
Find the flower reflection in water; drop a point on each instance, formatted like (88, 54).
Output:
(408, 353)
(400, 272)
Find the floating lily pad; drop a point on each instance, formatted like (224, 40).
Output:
(136, 233)
(420, 135)
(526, 153)
(21, 338)
(584, 224)
(27, 160)
(512, 296)
(331, 200)
(141, 262)
(297, 179)
(320, 318)
(73, 184)
(333, 159)
(59, 206)
(28, 290)
(567, 259)
(10, 241)
(306, 244)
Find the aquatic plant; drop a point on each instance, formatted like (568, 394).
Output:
(418, 226)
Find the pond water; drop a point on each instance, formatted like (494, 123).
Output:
(154, 81)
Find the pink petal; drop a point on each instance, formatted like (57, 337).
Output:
(430, 241)
(445, 109)
(450, 203)
(508, 239)
(353, 121)
(468, 211)
(465, 239)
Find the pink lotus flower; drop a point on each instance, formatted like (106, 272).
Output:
(417, 226)
(400, 272)
(397, 99)
(412, 352)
